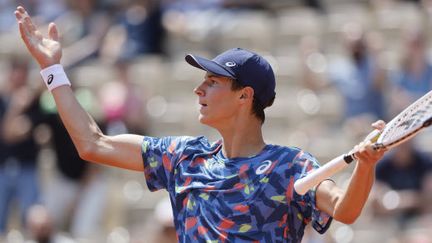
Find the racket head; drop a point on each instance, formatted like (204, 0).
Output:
(407, 123)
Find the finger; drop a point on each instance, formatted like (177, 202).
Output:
(21, 9)
(366, 156)
(18, 15)
(368, 152)
(360, 149)
(23, 27)
(22, 15)
(29, 23)
(24, 33)
(380, 124)
(53, 32)
(22, 30)
(354, 151)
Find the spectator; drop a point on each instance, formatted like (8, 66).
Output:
(87, 22)
(313, 64)
(41, 227)
(40, 224)
(141, 22)
(316, 4)
(414, 77)
(161, 223)
(19, 115)
(360, 78)
(6, 20)
(403, 172)
(123, 104)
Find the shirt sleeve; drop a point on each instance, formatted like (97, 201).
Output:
(320, 220)
(159, 157)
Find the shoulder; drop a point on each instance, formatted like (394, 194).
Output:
(291, 154)
(176, 143)
(190, 141)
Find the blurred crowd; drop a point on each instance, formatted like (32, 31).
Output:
(340, 66)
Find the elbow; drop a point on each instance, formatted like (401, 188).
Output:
(88, 150)
(347, 213)
(346, 218)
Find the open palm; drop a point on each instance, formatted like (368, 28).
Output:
(46, 50)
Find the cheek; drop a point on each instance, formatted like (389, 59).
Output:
(226, 107)
(223, 101)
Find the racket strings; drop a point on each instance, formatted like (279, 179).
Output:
(408, 123)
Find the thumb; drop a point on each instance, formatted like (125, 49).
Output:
(53, 32)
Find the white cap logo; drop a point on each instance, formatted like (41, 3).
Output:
(230, 64)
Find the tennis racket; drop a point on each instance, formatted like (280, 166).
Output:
(400, 129)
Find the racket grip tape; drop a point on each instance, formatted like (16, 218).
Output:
(348, 158)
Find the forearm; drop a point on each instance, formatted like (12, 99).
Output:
(82, 129)
(123, 151)
(352, 201)
(346, 205)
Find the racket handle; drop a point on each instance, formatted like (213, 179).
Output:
(332, 167)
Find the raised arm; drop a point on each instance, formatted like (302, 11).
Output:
(346, 205)
(122, 151)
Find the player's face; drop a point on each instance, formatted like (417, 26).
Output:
(218, 102)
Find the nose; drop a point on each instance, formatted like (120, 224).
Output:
(198, 90)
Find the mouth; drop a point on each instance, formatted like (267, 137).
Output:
(203, 104)
(202, 107)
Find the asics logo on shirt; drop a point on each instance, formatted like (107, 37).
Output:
(265, 165)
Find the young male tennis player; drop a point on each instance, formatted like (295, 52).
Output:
(237, 189)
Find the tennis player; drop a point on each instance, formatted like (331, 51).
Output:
(237, 189)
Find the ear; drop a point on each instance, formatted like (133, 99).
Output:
(247, 93)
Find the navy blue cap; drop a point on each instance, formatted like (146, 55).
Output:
(246, 67)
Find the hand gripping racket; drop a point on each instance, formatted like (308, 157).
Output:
(401, 128)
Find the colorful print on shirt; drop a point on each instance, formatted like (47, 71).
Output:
(216, 199)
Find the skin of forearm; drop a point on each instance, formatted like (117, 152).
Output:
(122, 151)
(351, 203)
(82, 129)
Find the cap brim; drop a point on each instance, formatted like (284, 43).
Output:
(207, 65)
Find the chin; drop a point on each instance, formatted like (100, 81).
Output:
(204, 120)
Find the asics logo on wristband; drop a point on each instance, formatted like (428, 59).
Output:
(50, 79)
(60, 76)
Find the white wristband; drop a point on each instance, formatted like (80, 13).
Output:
(54, 76)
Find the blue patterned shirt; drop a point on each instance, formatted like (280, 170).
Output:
(219, 199)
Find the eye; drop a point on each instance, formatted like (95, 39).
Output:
(211, 82)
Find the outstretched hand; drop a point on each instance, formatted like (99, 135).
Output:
(46, 50)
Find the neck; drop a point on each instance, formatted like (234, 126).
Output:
(244, 139)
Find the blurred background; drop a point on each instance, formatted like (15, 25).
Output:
(340, 65)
